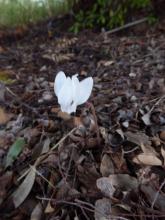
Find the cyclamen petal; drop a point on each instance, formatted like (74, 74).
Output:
(75, 87)
(69, 109)
(65, 93)
(84, 90)
(71, 92)
(59, 82)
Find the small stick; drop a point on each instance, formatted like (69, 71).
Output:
(44, 156)
(126, 26)
(130, 151)
(157, 103)
(39, 174)
(157, 194)
(62, 139)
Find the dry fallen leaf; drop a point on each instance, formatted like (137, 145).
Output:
(105, 63)
(5, 181)
(24, 189)
(106, 167)
(102, 209)
(2, 92)
(37, 212)
(106, 187)
(137, 138)
(146, 119)
(147, 159)
(150, 194)
(77, 121)
(49, 208)
(141, 140)
(4, 117)
(163, 154)
(123, 181)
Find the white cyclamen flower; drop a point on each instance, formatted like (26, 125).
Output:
(71, 92)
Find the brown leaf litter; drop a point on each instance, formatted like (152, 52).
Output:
(107, 160)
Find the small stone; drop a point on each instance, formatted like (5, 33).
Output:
(41, 79)
(43, 68)
(132, 75)
(40, 100)
(44, 84)
(133, 98)
(47, 96)
(160, 67)
(125, 124)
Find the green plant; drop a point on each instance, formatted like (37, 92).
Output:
(107, 13)
(20, 12)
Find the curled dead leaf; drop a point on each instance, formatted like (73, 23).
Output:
(115, 139)
(147, 159)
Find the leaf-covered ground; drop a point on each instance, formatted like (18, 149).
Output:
(105, 162)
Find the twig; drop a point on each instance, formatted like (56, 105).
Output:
(82, 204)
(93, 209)
(68, 203)
(147, 209)
(159, 100)
(44, 156)
(38, 173)
(60, 171)
(130, 151)
(69, 165)
(56, 145)
(85, 203)
(127, 26)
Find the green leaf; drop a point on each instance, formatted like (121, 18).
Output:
(14, 151)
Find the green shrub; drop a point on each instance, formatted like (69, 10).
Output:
(20, 12)
(107, 13)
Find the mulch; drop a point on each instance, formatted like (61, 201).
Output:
(107, 160)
